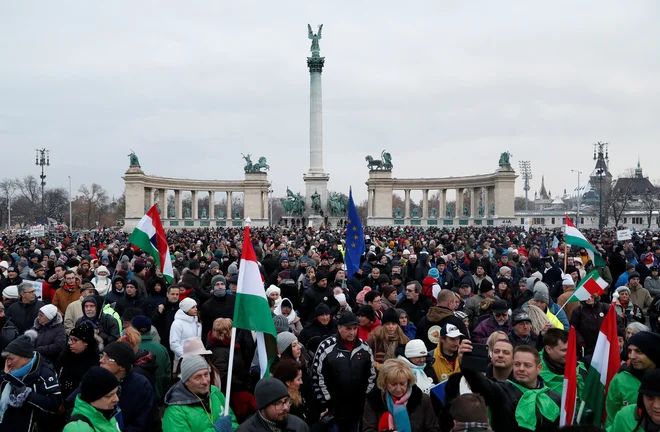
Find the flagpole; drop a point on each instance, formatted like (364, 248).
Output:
(579, 416)
(230, 369)
(565, 247)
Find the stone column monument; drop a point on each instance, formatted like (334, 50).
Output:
(316, 180)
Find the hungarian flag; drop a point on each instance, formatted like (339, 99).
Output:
(149, 236)
(251, 311)
(590, 285)
(569, 391)
(606, 362)
(575, 238)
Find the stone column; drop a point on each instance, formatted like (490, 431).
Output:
(264, 197)
(315, 65)
(459, 203)
(473, 202)
(425, 210)
(370, 204)
(178, 206)
(162, 203)
(229, 198)
(147, 199)
(406, 204)
(490, 200)
(194, 204)
(443, 203)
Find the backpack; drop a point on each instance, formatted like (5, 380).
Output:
(9, 331)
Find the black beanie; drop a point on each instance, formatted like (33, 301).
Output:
(122, 353)
(390, 316)
(21, 346)
(649, 344)
(96, 383)
(85, 332)
(322, 309)
(485, 286)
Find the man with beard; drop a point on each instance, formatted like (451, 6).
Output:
(273, 404)
(498, 321)
(220, 305)
(539, 410)
(106, 325)
(163, 317)
(644, 355)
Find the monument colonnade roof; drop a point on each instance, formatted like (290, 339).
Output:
(170, 183)
(475, 181)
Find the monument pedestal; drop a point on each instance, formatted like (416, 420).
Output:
(314, 221)
(316, 183)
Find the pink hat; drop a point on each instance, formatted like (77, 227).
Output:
(194, 346)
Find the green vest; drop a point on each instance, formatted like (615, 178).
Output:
(625, 420)
(623, 391)
(556, 382)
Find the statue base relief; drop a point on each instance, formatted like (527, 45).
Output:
(316, 183)
(315, 221)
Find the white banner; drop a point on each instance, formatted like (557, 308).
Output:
(624, 234)
(37, 231)
(38, 288)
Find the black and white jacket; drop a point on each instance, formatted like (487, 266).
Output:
(342, 379)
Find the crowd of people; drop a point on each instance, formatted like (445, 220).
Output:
(437, 330)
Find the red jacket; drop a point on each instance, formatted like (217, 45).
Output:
(427, 288)
(364, 332)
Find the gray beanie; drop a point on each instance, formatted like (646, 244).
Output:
(218, 278)
(281, 323)
(214, 264)
(232, 269)
(269, 390)
(191, 364)
(541, 286)
(284, 341)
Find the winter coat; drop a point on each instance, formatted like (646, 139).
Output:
(126, 302)
(312, 298)
(409, 330)
(164, 371)
(163, 322)
(183, 327)
(586, 320)
(473, 306)
(430, 288)
(145, 364)
(102, 284)
(220, 359)
(652, 285)
(140, 285)
(95, 417)
(627, 420)
(71, 367)
(256, 423)
(502, 397)
(553, 375)
(24, 314)
(185, 412)
(193, 281)
(73, 313)
(420, 411)
(107, 325)
(50, 337)
(623, 390)
(214, 308)
(442, 368)
(569, 308)
(314, 333)
(641, 297)
(342, 379)
(488, 327)
(41, 404)
(416, 311)
(437, 316)
(64, 296)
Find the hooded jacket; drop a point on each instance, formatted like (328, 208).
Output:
(164, 369)
(163, 322)
(183, 327)
(95, 417)
(185, 412)
(214, 308)
(437, 316)
(50, 338)
(102, 284)
(314, 333)
(623, 390)
(24, 314)
(295, 326)
(107, 324)
(113, 296)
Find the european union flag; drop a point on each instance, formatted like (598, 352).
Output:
(354, 238)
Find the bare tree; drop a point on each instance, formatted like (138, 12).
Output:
(362, 211)
(8, 188)
(56, 203)
(95, 200)
(617, 198)
(519, 203)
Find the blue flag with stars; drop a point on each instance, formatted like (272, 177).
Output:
(354, 238)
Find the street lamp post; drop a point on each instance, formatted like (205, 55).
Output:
(43, 160)
(577, 216)
(601, 157)
(70, 214)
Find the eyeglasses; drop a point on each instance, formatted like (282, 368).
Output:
(281, 404)
(30, 292)
(107, 359)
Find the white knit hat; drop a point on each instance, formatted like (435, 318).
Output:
(186, 304)
(416, 348)
(49, 310)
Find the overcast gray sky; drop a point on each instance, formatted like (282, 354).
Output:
(444, 86)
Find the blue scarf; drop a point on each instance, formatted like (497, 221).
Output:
(18, 373)
(399, 412)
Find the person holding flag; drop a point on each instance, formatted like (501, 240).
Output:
(149, 236)
(644, 356)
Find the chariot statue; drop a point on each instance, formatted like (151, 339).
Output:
(382, 164)
(256, 167)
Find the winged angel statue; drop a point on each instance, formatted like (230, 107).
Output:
(315, 49)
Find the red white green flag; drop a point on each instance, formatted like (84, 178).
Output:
(574, 237)
(605, 364)
(590, 285)
(149, 236)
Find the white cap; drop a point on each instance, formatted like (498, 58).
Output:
(567, 281)
(416, 348)
(4, 264)
(11, 292)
